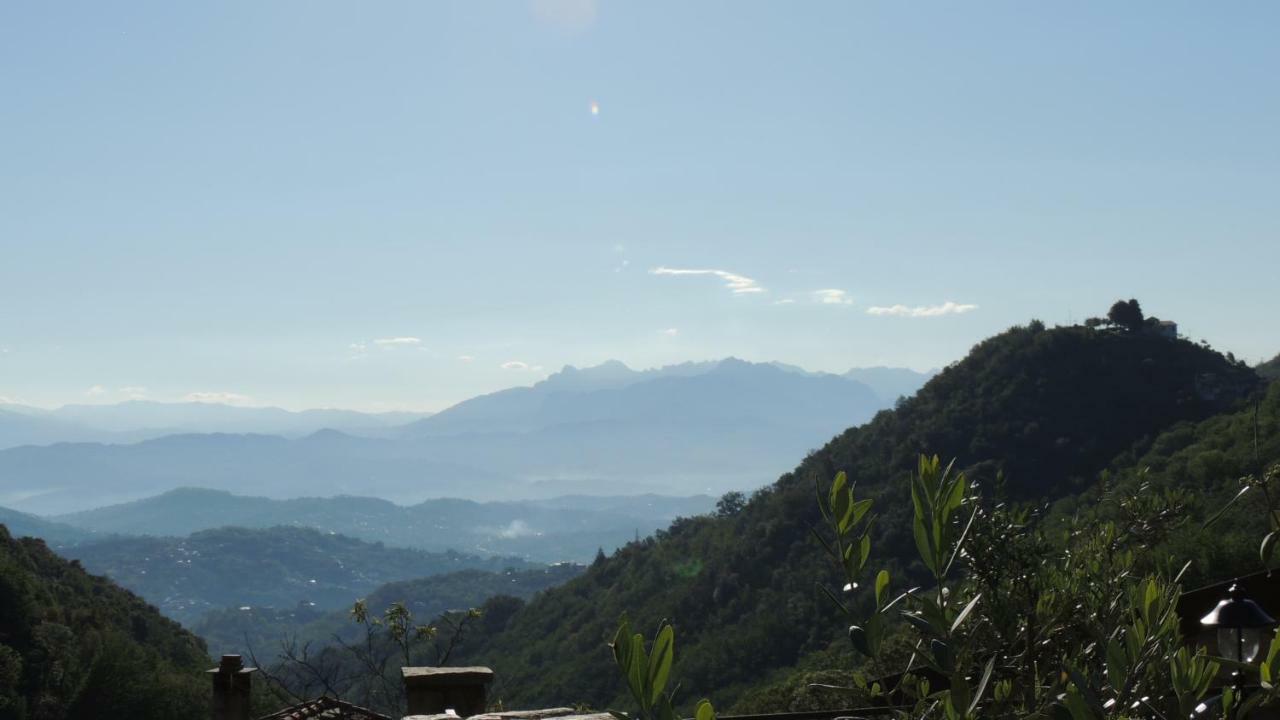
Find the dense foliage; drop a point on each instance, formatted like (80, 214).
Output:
(1021, 618)
(1203, 464)
(76, 647)
(1050, 409)
(276, 567)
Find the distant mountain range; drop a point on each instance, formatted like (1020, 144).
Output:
(139, 420)
(56, 534)
(552, 530)
(697, 428)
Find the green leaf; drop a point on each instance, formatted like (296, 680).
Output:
(704, 711)
(956, 495)
(1222, 510)
(621, 644)
(662, 709)
(882, 584)
(660, 662)
(861, 642)
(965, 612)
(840, 499)
(636, 663)
(921, 624)
(825, 545)
(958, 696)
(1268, 547)
(822, 503)
(860, 509)
(924, 543)
(982, 684)
(1117, 664)
(943, 656)
(1149, 597)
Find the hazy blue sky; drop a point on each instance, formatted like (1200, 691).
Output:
(382, 204)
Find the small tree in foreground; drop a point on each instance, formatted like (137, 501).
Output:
(1024, 621)
(366, 670)
(647, 673)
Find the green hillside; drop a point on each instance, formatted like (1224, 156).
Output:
(1205, 461)
(276, 567)
(1048, 408)
(77, 647)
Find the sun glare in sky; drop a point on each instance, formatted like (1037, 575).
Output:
(595, 108)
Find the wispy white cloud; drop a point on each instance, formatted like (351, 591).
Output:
(671, 332)
(785, 301)
(219, 398)
(737, 284)
(519, 365)
(465, 358)
(395, 341)
(133, 392)
(946, 308)
(832, 296)
(95, 391)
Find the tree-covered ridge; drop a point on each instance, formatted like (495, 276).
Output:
(73, 645)
(550, 530)
(1270, 370)
(1048, 408)
(276, 567)
(22, 524)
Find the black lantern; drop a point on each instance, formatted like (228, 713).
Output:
(1240, 623)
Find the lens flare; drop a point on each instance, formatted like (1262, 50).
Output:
(595, 108)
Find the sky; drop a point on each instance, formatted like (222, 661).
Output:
(398, 205)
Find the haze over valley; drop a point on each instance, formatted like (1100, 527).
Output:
(691, 429)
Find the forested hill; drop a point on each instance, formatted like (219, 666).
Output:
(260, 631)
(1051, 408)
(76, 646)
(274, 567)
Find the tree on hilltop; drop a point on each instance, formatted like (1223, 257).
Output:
(1127, 314)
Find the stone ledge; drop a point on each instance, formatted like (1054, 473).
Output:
(547, 714)
(433, 676)
(558, 713)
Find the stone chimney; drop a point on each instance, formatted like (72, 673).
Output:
(231, 685)
(436, 690)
